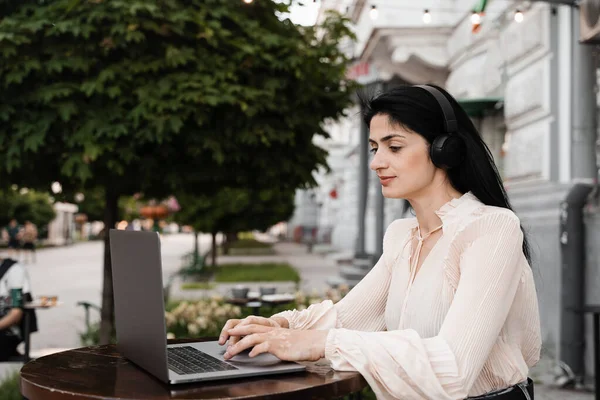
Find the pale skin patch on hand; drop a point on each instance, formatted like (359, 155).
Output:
(286, 344)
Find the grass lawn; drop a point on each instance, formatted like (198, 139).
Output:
(198, 285)
(263, 272)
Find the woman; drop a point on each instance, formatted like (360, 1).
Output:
(450, 309)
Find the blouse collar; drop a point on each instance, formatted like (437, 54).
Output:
(454, 207)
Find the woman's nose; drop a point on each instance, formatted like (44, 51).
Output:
(377, 162)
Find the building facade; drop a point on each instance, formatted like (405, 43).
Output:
(62, 229)
(525, 85)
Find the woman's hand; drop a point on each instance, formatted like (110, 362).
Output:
(276, 322)
(285, 344)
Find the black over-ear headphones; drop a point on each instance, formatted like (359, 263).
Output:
(446, 150)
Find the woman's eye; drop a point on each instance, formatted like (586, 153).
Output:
(373, 150)
(395, 148)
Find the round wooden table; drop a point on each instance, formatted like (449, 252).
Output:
(101, 372)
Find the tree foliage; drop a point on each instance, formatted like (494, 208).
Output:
(27, 205)
(232, 210)
(113, 90)
(235, 210)
(163, 96)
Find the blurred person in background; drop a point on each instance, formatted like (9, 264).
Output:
(12, 276)
(12, 234)
(29, 236)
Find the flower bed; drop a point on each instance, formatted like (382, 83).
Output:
(206, 317)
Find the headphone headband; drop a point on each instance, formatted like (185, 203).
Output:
(449, 119)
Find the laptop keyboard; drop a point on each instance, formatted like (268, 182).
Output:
(188, 360)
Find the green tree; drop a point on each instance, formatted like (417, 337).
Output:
(159, 96)
(202, 212)
(232, 210)
(27, 205)
(263, 209)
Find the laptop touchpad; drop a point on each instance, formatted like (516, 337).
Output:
(261, 360)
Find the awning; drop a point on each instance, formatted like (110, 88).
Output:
(476, 107)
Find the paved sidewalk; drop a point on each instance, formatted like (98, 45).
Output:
(74, 274)
(313, 268)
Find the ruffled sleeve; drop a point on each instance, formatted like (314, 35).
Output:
(318, 316)
(353, 311)
(401, 364)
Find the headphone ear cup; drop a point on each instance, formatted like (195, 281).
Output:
(435, 150)
(447, 151)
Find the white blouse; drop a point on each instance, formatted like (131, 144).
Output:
(16, 277)
(468, 324)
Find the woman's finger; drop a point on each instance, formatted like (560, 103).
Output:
(228, 325)
(243, 330)
(261, 348)
(253, 319)
(234, 339)
(245, 343)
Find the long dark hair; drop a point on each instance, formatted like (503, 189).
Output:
(417, 110)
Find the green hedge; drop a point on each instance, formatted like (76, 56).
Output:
(9, 387)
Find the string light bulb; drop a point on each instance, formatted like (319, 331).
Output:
(248, 1)
(475, 18)
(426, 17)
(518, 16)
(374, 13)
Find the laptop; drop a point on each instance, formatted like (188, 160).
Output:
(141, 327)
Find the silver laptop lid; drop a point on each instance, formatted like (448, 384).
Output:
(138, 295)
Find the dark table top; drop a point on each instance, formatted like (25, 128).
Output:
(102, 372)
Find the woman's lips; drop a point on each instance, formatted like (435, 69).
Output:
(386, 180)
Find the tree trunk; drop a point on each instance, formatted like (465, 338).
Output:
(214, 249)
(225, 245)
(196, 249)
(111, 211)
(230, 238)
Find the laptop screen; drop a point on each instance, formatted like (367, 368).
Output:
(138, 296)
